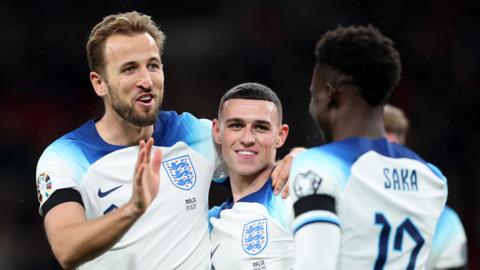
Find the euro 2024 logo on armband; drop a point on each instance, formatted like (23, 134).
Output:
(306, 184)
(181, 172)
(255, 236)
(44, 187)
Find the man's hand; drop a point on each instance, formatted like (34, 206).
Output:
(282, 171)
(75, 240)
(146, 180)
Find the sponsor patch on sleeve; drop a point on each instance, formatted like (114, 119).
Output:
(307, 183)
(44, 187)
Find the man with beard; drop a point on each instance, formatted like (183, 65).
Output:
(361, 202)
(100, 193)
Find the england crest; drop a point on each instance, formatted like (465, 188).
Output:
(181, 172)
(255, 236)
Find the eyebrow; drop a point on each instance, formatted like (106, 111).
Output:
(262, 122)
(256, 121)
(151, 59)
(129, 63)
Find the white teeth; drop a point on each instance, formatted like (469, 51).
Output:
(145, 98)
(246, 153)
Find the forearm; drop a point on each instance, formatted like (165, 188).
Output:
(76, 240)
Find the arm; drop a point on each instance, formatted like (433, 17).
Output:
(449, 244)
(75, 240)
(309, 254)
(282, 171)
(317, 233)
(316, 226)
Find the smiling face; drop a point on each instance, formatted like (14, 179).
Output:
(132, 84)
(249, 133)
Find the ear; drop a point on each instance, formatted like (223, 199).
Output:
(332, 95)
(216, 131)
(98, 84)
(282, 135)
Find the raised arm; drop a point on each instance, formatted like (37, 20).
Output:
(75, 240)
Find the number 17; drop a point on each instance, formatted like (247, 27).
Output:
(406, 226)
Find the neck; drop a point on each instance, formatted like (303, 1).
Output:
(243, 185)
(358, 121)
(115, 130)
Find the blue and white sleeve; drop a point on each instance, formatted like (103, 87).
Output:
(449, 245)
(314, 191)
(316, 227)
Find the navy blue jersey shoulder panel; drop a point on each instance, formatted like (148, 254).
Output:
(87, 139)
(349, 150)
(261, 196)
(168, 130)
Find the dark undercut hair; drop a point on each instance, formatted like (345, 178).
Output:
(253, 91)
(366, 55)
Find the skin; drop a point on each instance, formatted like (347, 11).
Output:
(133, 71)
(339, 110)
(249, 132)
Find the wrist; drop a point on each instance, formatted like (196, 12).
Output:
(132, 211)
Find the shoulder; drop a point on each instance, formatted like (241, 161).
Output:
(331, 161)
(172, 127)
(68, 146)
(81, 146)
(449, 245)
(185, 118)
(449, 220)
(341, 155)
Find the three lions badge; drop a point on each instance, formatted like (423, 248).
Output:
(255, 236)
(181, 172)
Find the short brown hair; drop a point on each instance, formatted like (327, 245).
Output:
(252, 91)
(396, 122)
(123, 23)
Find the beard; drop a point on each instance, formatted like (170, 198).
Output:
(128, 113)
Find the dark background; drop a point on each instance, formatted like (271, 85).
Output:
(212, 46)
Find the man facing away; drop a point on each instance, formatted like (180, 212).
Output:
(360, 201)
(251, 230)
(449, 244)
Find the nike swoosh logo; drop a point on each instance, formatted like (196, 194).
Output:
(214, 250)
(103, 194)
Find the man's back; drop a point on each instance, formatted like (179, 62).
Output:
(382, 193)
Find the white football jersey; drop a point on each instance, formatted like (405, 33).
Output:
(387, 201)
(173, 232)
(449, 246)
(255, 233)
